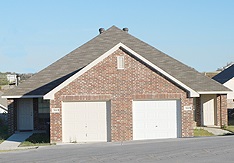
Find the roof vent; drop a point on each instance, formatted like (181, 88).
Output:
(125, 29)
(101, 30)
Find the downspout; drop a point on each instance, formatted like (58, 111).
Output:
(220, 111)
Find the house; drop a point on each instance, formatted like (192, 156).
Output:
(116, 87)
(13, 79)
(226, 77)
(3, 110)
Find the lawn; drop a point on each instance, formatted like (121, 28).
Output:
(201, 132)
(230, 128)
(37, 139)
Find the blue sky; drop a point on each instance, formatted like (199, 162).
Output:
(34, 34)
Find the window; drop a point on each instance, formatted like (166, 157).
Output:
(43, 106)
(120, 62)
(43, 111)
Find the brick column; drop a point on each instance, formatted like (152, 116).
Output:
(12, 115)
(224, 119)
(35, 114)
(55, 123)
(198, 111)
(121, 109)
(187, 118)
(218, 108)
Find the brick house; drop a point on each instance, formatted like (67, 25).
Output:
(116, 88)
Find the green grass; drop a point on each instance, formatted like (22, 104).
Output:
(37, 139)
(230, 128)
(201, 132)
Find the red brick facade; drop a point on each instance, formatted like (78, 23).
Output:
(222, 119)
(105, 82)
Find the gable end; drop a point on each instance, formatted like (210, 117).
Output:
(50, 95)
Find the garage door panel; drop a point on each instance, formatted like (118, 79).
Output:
(84, 121)
(154, 119)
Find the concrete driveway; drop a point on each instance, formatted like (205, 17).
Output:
(206, 149)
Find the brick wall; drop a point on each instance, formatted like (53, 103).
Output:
(198, 111)
(12, 115)
(135, 82)
(222, 119)
(218, 109)
(224, 110)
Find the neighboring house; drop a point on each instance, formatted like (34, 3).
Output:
(3, 109)
(3, 104)
(226, 77)
(116, 88)
(11, 78)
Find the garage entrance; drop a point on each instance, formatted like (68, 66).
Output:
(85, 121)
(156, 119)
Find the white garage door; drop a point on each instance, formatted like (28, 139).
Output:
(84, 121)
(156, 119)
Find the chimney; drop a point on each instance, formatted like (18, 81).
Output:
(101, 30)
(125, 29)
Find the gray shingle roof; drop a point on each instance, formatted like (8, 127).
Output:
(225, 75)
(50, 77)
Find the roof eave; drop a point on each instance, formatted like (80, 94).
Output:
(23, 96)
(213, 92)
(3, 107)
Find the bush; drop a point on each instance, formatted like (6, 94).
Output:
(3, 81)
(3, 132)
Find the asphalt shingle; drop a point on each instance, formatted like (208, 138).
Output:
(50, 77)
(225, 75)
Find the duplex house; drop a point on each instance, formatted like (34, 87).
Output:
(116, 87)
